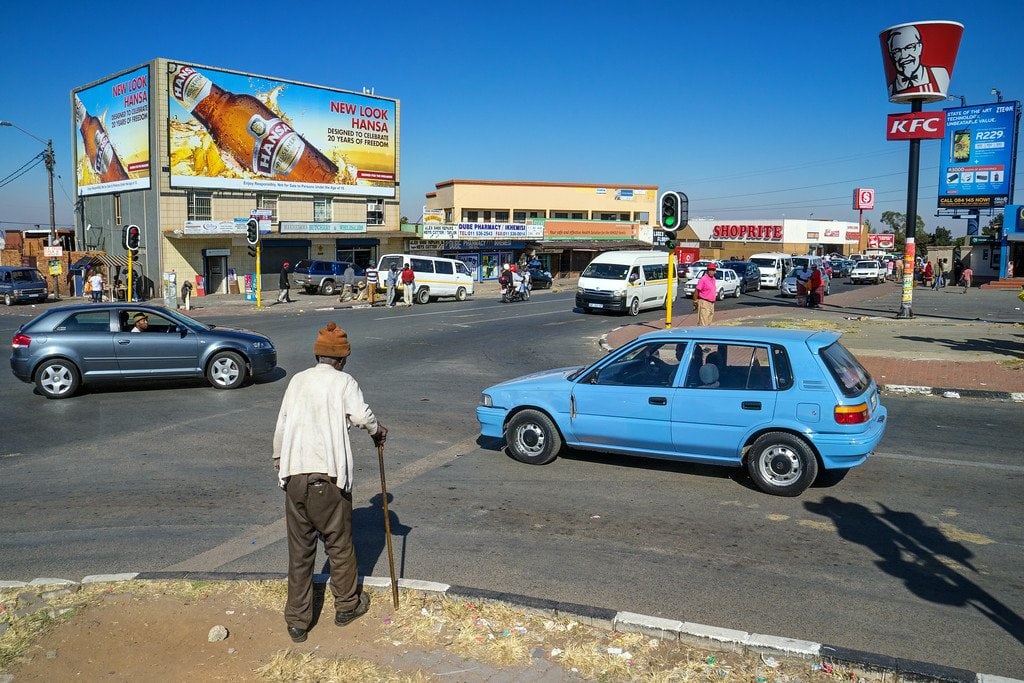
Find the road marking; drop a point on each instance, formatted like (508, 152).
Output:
(954, 463)
(10, 455)
(258, 537)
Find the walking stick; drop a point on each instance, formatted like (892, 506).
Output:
(387, 525)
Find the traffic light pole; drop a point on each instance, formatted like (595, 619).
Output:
(259, 285)
(128, 295)
(668, 294)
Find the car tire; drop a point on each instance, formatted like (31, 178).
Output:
(422, 295)
(781, 464)
(736, 293)
(226, 370)
(634, 307)
(532, 438)
(8, 300)
(721, 295)
(758, 286)
(460, 294)
(58, 378)
(327, 287)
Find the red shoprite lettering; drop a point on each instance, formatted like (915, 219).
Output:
(747, 232)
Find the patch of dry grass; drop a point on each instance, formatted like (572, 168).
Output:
(1012, 364)
(821, 325)
(289, 666)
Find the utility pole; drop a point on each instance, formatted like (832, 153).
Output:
(49, 162)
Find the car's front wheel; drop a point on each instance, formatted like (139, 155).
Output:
(532, 438)
(57, 378)
(226, 370)
(8, 300)
(460, 294)
(736, 293)
(781, 464)
(634, 307)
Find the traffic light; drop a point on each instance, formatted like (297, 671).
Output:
(670, 243)
(131, 236)
(252, 232)
(673, 211)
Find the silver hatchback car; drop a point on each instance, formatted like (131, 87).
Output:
(68, 346)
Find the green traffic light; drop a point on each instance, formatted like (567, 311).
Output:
(670, 221)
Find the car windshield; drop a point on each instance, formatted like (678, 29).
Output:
(187, 321)
(866, 264)
(606, 271)
(26, 275)
(851, 376)
(766, 262)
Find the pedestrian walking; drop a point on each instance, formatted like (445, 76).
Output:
(408, 284)
(314, 463)
(937, 283)
(966, 276)
(391, 281)
(803, 279)
(815, 288)
(284, 284)
(704, 296)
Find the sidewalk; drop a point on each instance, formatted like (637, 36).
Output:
(969, 343)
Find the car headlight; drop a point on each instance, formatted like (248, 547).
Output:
(268, 345)
(619, 292)
(486, 401)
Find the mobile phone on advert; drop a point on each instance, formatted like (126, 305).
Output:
(962, 145)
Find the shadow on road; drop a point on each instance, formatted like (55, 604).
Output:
(931, 566)
(1003, 347)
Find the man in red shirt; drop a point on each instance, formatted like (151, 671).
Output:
(816, 288)
(408, 284)
(704, 296)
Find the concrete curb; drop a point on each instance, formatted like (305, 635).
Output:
(598, 617)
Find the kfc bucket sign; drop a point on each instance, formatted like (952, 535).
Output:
(919, 59)
(881, 241)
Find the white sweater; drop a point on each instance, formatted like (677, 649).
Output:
(319, 406)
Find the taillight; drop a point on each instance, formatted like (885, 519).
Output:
(21, 341)
(852, 415)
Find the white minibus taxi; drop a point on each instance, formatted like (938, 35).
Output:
(774, 266)
(435, 276)
(624, 281)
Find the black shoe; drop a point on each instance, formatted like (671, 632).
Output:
(348, 616)
(298, 635)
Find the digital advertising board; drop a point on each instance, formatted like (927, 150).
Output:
(112, 134)
(235, 131)
(977, 154)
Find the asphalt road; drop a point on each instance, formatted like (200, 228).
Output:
(915, 554)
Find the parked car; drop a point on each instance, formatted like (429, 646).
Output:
(326, 277)
(789, 405)
(788, 287)
(68, 346)
(727, 283)
(840, 267)
(19, 284)
(867, 271)
(540, 279)
(749, 273)
(686, 271)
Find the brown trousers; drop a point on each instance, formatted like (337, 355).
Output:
(705, 312)
(315, 504)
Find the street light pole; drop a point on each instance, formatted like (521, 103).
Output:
(49, 162)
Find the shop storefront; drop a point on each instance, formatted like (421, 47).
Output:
(740, 239)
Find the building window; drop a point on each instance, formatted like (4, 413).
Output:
(472, 216)
(560, 214)
(643, 217)
(323, 210)
(375, 212)
(605, 216)
(200, 206)
(501, 216)
(268, 202)
(117, 209)
(577, 215)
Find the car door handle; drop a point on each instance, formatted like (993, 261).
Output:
(658, 401)
(124, 342)
(751, 405)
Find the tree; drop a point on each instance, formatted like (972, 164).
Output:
(942, 237)
(995, 226)
(404, 220)
(898, 222)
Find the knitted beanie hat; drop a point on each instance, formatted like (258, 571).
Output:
(332, 342)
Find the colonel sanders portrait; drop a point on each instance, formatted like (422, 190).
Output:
(904, 44)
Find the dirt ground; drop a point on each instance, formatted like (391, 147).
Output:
(158, 631)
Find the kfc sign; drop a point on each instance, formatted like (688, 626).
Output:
(863, 199)
(881, 241)
(743, 232)
(930, 125)
(919, 59)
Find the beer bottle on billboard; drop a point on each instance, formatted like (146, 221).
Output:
(249, 131)
(103, 158)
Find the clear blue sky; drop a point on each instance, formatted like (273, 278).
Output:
(754, 109)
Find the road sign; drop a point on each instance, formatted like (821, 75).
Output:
(53, 252)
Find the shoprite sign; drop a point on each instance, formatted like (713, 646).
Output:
(747, 232)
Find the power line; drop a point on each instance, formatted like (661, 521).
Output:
(25, 168)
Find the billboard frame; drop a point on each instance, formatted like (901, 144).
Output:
(948, 165)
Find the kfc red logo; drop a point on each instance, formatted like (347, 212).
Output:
(930, 125)
(919, 59)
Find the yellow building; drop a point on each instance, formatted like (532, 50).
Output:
(485, 223)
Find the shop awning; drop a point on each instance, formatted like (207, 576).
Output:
(109, 260)
(592, 245)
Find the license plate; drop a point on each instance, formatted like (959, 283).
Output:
(597, 305)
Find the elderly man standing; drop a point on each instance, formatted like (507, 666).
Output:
(704, 296)
(313, 457)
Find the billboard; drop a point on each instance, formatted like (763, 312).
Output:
(235, 131)
(977, 154)
(112, 134)
(919, 59)
(884, 240)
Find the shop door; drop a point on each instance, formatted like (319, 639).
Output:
(216, 274)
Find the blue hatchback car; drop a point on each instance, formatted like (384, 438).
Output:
(786, 404)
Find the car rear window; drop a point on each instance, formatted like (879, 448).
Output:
(303, 264)
(850, 375)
